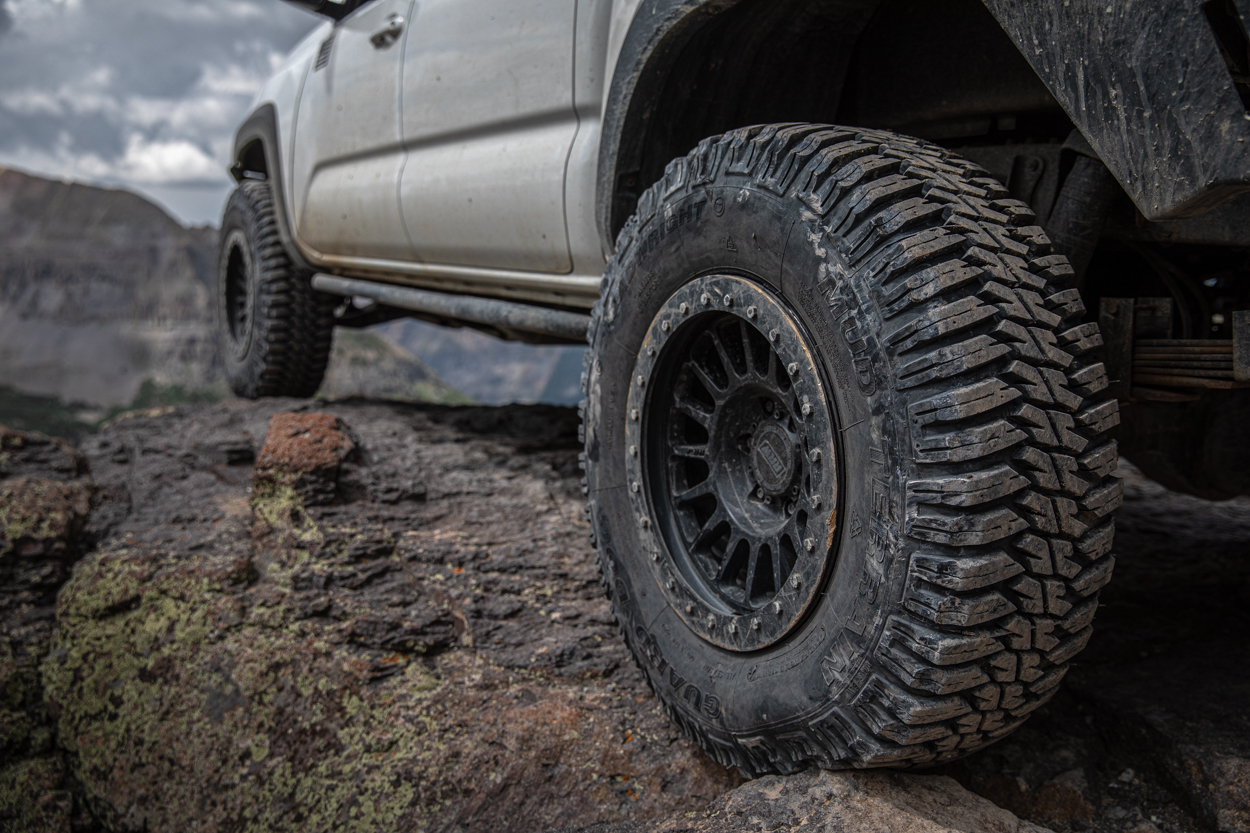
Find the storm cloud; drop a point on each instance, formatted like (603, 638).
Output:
(145, 94)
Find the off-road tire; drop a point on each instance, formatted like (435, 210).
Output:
(973, 524)
(273, 330)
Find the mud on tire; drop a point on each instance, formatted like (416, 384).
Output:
(970, 528)
(275, 332)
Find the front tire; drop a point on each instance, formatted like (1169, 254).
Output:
(845, 451)
(274, 331)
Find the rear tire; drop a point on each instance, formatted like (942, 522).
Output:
(845, 449)
(273, 330)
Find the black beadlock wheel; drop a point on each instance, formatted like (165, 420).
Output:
(274, 331)
(737, 461)
(845, 451)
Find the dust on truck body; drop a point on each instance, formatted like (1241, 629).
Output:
(875, 291)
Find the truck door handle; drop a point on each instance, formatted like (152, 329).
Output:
(389, 34)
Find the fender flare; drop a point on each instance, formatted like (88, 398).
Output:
(1176, 152)
(1177, 149)
(656, 35)
(262, 126)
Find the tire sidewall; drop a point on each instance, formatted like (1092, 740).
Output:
(736, 227)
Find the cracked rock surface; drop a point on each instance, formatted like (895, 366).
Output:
(286, 615)
(369, 617)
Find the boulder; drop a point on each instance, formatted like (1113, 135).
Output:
(839, 802)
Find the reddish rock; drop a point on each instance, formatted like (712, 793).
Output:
(306, 449)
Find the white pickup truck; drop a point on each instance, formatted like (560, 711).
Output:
(846, 420)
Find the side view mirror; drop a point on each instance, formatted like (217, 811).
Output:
(333, 9)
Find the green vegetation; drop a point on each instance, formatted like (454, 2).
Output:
(46, 414)
(73, 420)
(152, 395)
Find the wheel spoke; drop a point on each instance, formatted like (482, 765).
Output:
(745, 332)
(707, 533)
(731, 371)
(694, 492)
(753, 563)
(724, 572)
(709, 384)
(779, 580)
(688, 408)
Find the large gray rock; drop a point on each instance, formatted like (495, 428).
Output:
(839, 802)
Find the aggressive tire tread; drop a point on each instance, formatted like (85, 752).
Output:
(292, 325)
(1011, 486)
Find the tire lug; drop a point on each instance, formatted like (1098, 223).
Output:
(633, 414)
(665, 326)
(815, 455)
(792, 368)
(642, 381)
(711, 623)
(733, 627)
(690, 608)
(655, 555)
(729, 300)
(633, 451)
(683, 308)
(755, 624)
(651, 352)
(795, 581)
(670, 584)
(776, 606)
(644, 522)
(705, 299)
(633, 487)
(806, 409)
(809, 544)
(774, 336)
(815, 501)
(752, 312)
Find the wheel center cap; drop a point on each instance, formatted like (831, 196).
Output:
(772, 458)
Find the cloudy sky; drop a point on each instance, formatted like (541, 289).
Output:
(145, 94)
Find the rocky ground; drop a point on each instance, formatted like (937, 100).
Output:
(358, 616)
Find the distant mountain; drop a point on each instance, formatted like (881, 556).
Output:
(492, 371)
(365, 363)
(104, 297)
(100, 290)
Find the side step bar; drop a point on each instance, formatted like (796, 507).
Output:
(503, 315)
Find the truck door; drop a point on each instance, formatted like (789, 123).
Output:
(488, 121)
(349, 152)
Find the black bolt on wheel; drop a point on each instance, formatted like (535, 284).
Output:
(733, 470)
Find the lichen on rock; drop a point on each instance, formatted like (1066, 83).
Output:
(344, 655)
(45, 504)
